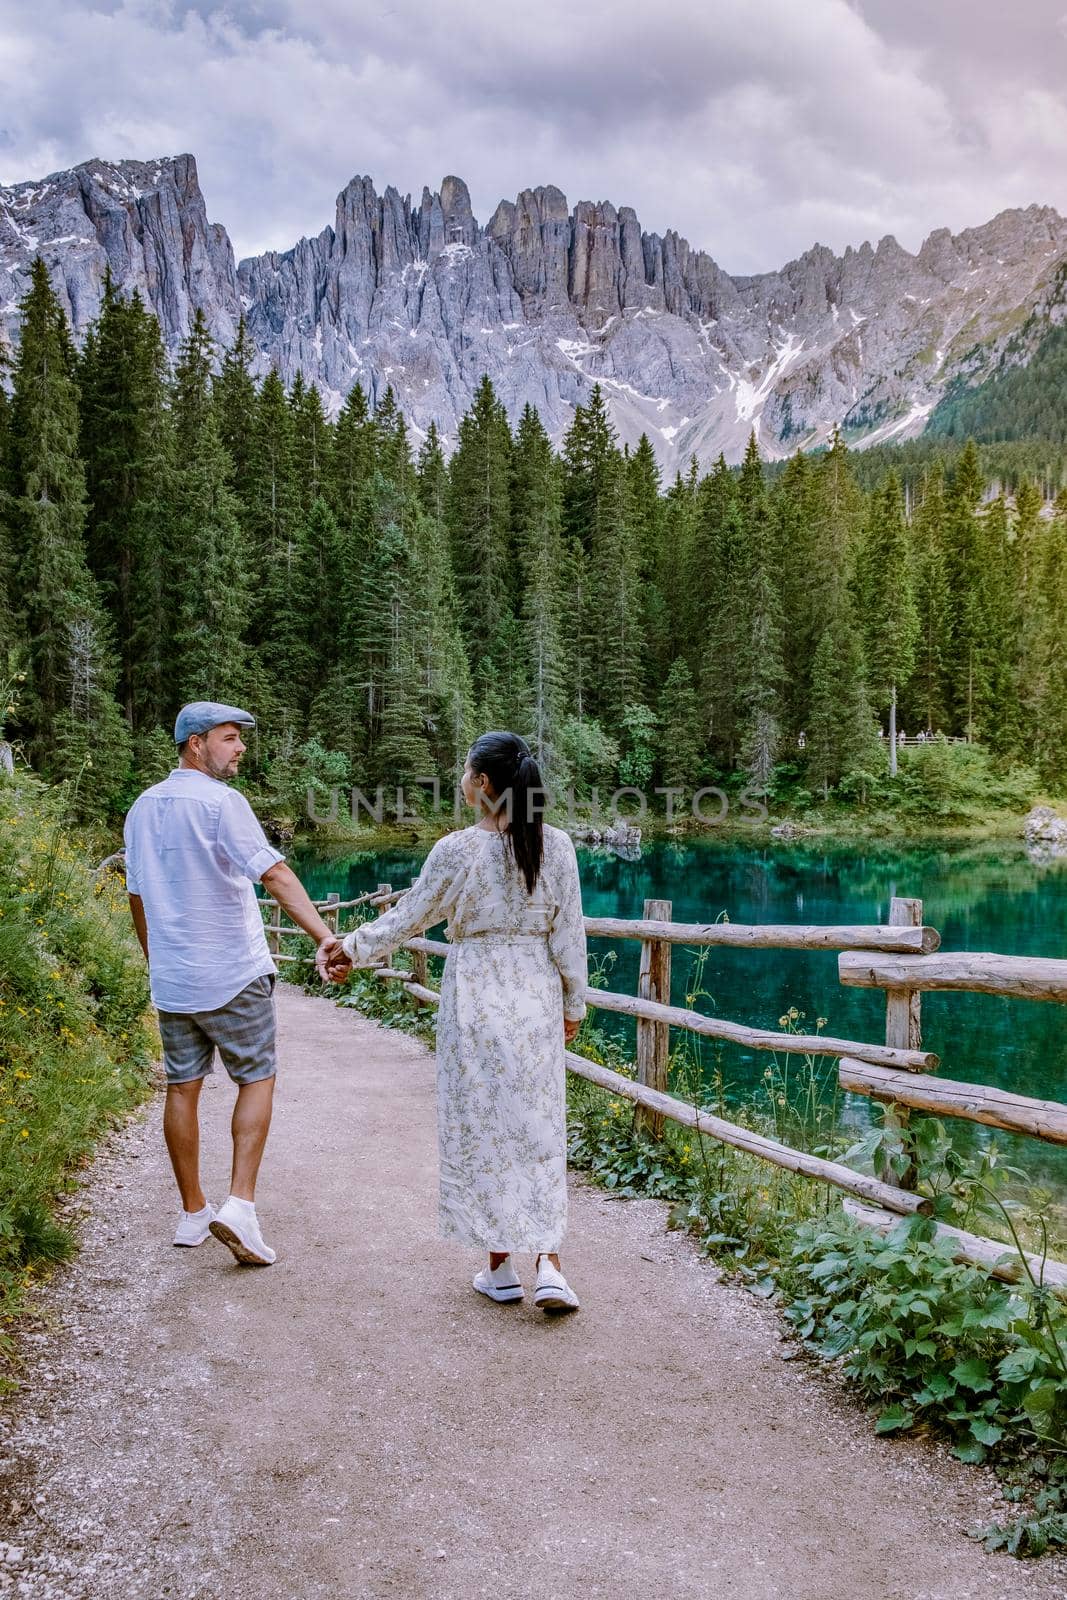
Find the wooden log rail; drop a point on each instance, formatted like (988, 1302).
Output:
(941, 1097)
(999, 1260)
(805, 1044)
(1019, 977)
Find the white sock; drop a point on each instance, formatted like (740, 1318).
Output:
(196, 1215)
(247, 1206)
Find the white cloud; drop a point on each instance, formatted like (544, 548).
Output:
(754, 131)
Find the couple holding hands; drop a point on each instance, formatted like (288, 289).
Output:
(512, 993)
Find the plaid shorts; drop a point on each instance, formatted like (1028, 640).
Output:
(242, 1030)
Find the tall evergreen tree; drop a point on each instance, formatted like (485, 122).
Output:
(124, 443)
(212, 568)
(479, 517)
(234, 396)
(536, 504)
(762, 672)
(964, 556)
(70, 709)
(888, 602)
(930, 695)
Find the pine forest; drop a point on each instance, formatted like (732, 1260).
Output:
(168, 535)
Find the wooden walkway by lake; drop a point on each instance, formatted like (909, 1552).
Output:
(355, 1423)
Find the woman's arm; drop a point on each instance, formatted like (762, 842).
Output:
(566, 938)
(427, 901)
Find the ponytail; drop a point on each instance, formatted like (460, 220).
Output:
(515, 779)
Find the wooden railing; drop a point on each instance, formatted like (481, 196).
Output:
(903, 958)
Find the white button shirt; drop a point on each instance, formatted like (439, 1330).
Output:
(194, 848)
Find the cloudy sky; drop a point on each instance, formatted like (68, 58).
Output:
(754, 127)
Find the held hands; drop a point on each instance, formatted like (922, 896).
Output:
(570, 1030)
(331, 963)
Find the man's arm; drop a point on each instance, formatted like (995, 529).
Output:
(282, 883)
(139, 923)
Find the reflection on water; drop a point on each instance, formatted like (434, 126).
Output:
(987, 897)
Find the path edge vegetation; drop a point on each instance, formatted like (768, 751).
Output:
(77, 1040)
(930, 1346)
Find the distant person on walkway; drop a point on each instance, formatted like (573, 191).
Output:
(194, 850)
(512, 996)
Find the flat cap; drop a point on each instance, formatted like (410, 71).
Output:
(201, 715)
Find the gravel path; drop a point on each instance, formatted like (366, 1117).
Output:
(355, 1423)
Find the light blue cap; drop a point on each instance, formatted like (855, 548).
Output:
(201, 715)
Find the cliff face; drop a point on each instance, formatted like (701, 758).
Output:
(549, 300)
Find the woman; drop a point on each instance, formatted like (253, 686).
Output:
(512, 994)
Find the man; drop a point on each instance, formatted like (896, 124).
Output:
(194, 849)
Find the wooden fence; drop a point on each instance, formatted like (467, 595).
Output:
(903, 958)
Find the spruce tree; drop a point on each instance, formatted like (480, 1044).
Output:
(888, 602)
(444, 669)
(312, 442)
(536, 505)
(212, 564)
(70, 711)
(680, 738)
(1045, 681)
(929, 699)
(822, 756)
(125, 445)
(762, 672)
(661, 558)
(234, 396)
(964, 558)
(479, 517)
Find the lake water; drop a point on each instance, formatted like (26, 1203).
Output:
(988, 897)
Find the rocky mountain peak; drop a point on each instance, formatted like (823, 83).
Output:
(549, 299)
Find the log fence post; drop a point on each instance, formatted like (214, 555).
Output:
(331, 918)
(654, 1038)
(903, 1030)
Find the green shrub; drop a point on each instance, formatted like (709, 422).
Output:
(75, 1043)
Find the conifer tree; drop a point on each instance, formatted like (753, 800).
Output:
(717, 583)
(212, 566)
(1045, 667)
(996, 704)
(614, 601)
(352, 458)
(762, 671)
(662, 559)
(589, 452)
(479, 517)
(929, 699)
(822, 756)
(680, 741)
(10, 635)
(124, 443)
(312, 442)
(70, 709)
(966, 591)
(536, 505)
(888, 602)
(233, 394)
(444, 670)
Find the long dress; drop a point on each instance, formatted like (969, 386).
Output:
(517, 966)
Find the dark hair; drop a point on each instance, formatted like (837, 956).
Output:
(515, 779)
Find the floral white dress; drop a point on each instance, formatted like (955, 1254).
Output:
(516, 968)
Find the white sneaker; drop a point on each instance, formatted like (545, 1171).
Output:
(237, 1225)
(553, 1292)
(194, 1227)
(502, 1283)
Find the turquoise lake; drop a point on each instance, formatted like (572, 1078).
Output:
(979, 897)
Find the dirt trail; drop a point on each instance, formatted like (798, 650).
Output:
(355, 1423)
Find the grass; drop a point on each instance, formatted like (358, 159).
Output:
(75, 1042)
